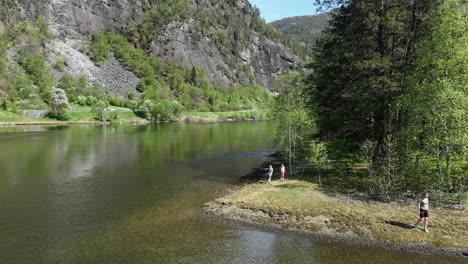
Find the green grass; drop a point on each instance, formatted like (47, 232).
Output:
(317, 211)
(86, 114)
(77, 114)
(256, 114)
(12, 117)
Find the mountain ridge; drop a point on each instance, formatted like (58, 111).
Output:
(303, 30)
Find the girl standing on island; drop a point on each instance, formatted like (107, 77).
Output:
(283, 171)
(270, 173)
(423, 208)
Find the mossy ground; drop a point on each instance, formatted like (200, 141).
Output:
(317, 211)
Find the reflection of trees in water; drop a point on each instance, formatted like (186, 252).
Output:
(170, 142)
(66, 152)
(61, 182)
(45, 155)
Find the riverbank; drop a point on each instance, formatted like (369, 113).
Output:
(300, 206)
(85, 116)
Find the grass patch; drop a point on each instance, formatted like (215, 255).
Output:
(12, 117)
(77, 114)
(86, 114)
(388, 222)
(243, 115)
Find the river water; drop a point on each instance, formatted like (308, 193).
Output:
(134, 194)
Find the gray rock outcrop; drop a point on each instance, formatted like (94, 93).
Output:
(78, 18)
(258, 61)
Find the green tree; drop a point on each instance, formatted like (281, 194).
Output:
(99, 48)
(436, 101)
(319, 157)
(35, 66)
(295, 122)
(59, 104)
(358, 77)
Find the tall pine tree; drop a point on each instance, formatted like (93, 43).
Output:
(360, 64)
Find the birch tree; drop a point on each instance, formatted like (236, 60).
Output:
(295, 122)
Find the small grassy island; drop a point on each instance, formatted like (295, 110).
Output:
(302, 205)
(373, 134)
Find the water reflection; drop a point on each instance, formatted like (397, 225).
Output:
(126, 194)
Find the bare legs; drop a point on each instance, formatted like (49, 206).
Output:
(426, 219)
(422, 219)
(419, 221)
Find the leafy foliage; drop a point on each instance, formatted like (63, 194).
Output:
(295, 122)
(396, 89)
(436, 101)
(59, 104)
(35, 66)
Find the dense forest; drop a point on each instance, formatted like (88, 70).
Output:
(386, 107)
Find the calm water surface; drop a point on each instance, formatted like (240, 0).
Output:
(134, 194)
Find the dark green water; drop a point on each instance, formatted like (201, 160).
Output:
(134, 194)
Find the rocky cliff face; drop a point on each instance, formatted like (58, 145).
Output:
(193, 42)
(258, 59)
(78, 18)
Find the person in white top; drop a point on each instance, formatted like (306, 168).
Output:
(283, 171)
(270, 173)
(423, 209)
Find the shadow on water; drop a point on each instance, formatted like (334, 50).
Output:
(399, 224)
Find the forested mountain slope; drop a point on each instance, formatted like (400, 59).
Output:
(303, 30)
(225, 38)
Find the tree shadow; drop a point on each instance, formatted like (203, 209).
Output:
(261, 172)
(399, 224)
(287, 186)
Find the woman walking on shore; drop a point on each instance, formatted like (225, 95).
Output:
(423, 208)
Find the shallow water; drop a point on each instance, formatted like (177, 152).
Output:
(134, 194)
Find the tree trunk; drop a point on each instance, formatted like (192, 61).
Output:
(290, 151)
(439, 163)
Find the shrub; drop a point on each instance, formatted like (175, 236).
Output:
(99, 48)
(103, 112)
(131, 104)
(62, 116)
(59, 104)
(165, 110)
(33, 102)
(82, 100)
(222, 38)
(91, 100)
(115, 101)
(35, 66)
(145, 109)
(59, 65)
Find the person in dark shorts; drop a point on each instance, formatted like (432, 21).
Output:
(423, 208)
